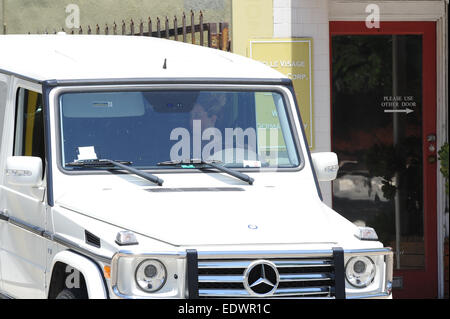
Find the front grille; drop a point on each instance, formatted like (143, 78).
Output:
(298, 277)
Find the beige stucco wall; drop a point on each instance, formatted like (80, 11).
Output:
(251, 19)
(36, 16)
(1, 16)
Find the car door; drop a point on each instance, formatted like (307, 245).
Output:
(4, 80)
(23, 253)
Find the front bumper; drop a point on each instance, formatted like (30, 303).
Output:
(218, 274)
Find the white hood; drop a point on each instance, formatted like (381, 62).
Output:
(227, 214)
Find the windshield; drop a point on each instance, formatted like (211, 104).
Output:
(235, 128)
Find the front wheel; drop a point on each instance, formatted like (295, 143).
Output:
(72, 294)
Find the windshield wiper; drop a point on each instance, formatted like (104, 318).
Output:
(199, 163)
(116, 164)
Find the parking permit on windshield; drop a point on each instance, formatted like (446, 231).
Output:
(86, 153)
(246, 163)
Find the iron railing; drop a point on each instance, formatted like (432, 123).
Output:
(213, 35)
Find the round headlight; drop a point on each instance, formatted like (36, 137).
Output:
(151, 275)
(360, 271)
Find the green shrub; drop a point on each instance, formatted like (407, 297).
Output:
(443, 157)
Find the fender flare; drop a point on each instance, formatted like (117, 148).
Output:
(91, 272)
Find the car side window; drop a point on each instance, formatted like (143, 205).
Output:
(3, 92)
(29, 125)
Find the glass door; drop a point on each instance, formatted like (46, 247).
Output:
(383, 100)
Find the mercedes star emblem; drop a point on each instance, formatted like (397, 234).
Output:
(261, 278)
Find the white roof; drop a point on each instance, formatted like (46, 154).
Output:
(90, 57)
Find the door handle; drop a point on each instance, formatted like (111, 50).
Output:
(431, 139)
(3, 215)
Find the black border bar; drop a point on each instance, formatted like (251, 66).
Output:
(192, 273)
(339, 272)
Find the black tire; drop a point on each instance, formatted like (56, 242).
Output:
(72, 294)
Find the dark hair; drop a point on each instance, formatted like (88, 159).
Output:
(211, 103)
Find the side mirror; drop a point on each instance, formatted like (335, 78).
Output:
(326, 165)
(24, 171)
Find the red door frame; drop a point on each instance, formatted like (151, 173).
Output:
(416, 283)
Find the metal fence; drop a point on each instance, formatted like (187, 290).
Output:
(213, 35)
